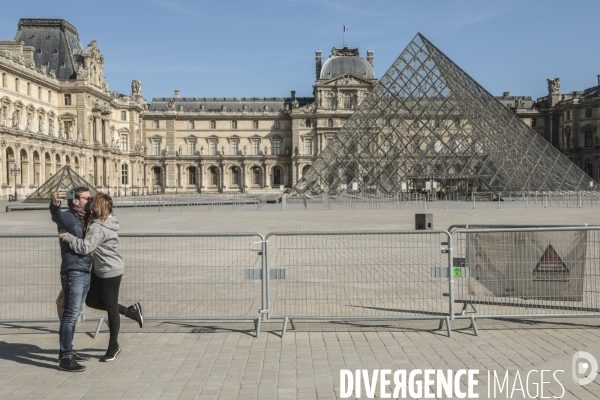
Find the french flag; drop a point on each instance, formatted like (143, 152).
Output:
(345, 28)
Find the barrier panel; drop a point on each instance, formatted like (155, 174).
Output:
(174, 276)
(358, 275)
(527, 272)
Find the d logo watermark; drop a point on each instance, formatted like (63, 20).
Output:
(584, 368)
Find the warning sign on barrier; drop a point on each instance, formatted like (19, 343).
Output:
(544, 265)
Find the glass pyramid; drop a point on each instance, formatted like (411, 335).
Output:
(427, 120)
(66, 179)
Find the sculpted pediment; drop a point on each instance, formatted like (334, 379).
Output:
(347, 80)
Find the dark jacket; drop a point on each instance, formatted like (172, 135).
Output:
(73, 224)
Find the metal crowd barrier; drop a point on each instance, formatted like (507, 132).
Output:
(526, 272)
(194, 276)
(499, 272)
(368, 275)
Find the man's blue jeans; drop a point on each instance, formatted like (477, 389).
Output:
(75, 285)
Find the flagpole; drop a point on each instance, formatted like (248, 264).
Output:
(344, 36)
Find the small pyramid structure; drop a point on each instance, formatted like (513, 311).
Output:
(66, 179)
(426, 119)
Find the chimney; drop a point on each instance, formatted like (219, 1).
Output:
(293, 93)
(370, 58)
(177, 94)
(598, 80)
(318, 63)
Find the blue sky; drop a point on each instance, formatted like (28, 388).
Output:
(266, 48)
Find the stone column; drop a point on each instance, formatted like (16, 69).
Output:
(266, 182)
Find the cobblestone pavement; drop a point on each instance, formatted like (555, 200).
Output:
(217, 360)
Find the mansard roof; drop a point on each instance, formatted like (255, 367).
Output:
(344, 61)
(53, 41)
(231, 104)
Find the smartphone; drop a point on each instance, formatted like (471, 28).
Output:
(70, 194)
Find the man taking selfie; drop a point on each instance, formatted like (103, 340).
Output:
(74, 272)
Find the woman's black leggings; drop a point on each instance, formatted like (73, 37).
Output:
(104, 295)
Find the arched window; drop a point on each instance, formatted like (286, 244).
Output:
(235, 176)
(191, 175)
(589, 141)
(124, 174)
(156, 176)
(67, 160)
(255, 175)
(277, 176)
(214, 176)
(588, 167)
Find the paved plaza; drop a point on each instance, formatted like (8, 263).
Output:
(224, 360)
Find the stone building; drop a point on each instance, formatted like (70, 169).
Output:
(56, 109)
(258, 145)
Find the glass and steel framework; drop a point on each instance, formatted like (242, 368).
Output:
(428, 121)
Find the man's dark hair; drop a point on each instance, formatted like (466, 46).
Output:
(78, 191)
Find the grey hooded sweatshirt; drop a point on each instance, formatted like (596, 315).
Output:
(103, 240)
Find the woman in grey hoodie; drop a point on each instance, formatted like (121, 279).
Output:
(101, 239)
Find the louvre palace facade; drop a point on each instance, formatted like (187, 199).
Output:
(56, 109)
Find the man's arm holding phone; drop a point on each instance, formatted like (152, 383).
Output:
(57, 215)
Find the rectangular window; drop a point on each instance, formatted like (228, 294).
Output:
(67, 99)
(191, 124)
(124, 175)
(124, 142)
(308, 123)
(191, 176)
(347, 101)
(234, 147)
(192, 147)
(276, 124)
(213, 148)
(533, 122)
(155, 124)
(213, 124)
(233, 124)
(568, 114)
(156, 147)
(255, 124)
(276, 147)
(308, 146)
(256, 147)
(123, 115)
